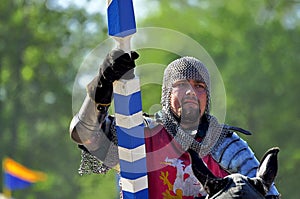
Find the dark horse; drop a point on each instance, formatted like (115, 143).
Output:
(237, 185)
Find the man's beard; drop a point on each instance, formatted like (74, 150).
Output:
(190, 114)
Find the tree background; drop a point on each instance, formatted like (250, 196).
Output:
(255, 45)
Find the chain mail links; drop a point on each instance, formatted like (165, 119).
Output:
(91, 164)
(184, 68)
(214, 135)
(186, 141)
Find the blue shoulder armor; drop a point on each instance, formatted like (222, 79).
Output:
(235, 156)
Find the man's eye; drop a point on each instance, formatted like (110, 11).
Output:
(180, 84)
(200, 86)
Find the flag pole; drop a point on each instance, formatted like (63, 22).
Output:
(6, 192)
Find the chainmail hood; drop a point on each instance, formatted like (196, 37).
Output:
(184, 68)
(188, 68)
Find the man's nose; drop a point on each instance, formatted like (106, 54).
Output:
(190, 91)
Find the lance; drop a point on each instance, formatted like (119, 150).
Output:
(128, 107)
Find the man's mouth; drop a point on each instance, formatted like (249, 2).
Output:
(190, 101)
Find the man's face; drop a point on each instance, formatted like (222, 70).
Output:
(188, 101)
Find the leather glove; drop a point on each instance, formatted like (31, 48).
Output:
(116, 65)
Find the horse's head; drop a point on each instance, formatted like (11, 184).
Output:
(237, 185)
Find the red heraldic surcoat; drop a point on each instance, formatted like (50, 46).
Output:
(170, 175)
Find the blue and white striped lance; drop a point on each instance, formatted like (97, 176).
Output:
(128, 108)
(131, 140)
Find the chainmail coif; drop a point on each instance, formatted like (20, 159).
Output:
(188, 68)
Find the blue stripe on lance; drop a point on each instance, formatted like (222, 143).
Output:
(121, 21)
(136, 138)
(129, 104)
(128, 108)
(130, 169)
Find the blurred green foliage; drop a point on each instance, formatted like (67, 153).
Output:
(255, 45)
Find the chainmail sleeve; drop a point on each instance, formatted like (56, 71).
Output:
(106, 156)
(90, 164)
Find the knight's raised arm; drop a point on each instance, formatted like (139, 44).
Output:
(87, 126)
